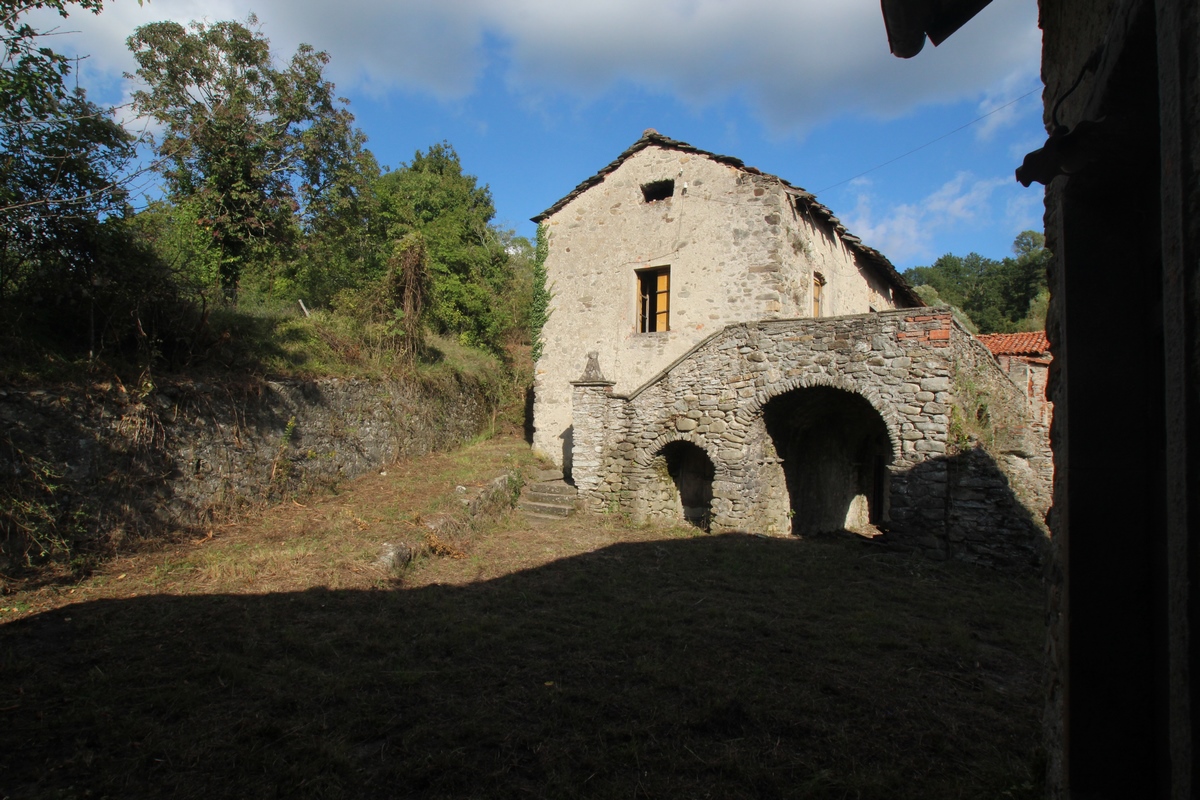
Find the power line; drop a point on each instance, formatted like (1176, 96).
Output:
(930, 142)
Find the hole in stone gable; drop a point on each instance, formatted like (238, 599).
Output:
(835, 452)
(692, 472)
(658, 190)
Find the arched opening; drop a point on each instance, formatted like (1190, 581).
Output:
(835, 449)
(692, 472)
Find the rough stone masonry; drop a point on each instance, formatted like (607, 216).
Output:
(808, 425)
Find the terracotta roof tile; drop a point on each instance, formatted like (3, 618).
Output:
(807, 200)
(1031, 343)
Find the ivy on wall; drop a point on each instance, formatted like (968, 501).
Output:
(539, 310)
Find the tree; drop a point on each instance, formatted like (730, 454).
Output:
(341, 244)
(61, 157)
(32, 79)
(998, 296)
(468, 263)
(256, 148)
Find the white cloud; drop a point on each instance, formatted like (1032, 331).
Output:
(798, 62)
(1024, 211)
(908, 231)
(1006, 103)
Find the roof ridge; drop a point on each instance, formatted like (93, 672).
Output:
(651, 137)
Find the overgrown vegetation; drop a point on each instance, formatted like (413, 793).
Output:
(272, 203)
(279, 248)
(539, 306)
(991, 296)
(572, 659)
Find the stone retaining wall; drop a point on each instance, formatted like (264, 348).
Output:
(186, 453)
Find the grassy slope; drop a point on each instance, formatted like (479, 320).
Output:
(575, 659)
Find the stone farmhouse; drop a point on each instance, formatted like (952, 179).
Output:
(721, 349)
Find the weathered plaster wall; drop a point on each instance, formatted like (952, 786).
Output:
(737, 248)
(127, 465)
(901, 366)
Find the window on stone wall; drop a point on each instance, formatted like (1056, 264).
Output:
(654, 300)
(658, 190)
(818, 293)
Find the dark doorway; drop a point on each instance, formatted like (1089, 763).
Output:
(835, 451)
(692, 471)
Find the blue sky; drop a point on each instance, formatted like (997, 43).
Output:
(537, 95)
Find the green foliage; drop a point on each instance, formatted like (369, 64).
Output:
(406, 288)
(247, 143)
(340, 246)
(176, 235)
(539, 307)
(467, 260)
(932, 298)
(31, 521)
(32, 85)
(60, 155)
(998, 296)
(271, 197)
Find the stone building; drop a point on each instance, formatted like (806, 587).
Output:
(669, 244)
(720, 349)
(1122, 109)
(1026, 358)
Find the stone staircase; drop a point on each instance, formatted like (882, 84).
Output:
(548, 496)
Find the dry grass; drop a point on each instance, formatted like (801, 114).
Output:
(574, 659)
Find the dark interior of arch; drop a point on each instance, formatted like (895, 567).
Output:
(835, 450)
(692, 471)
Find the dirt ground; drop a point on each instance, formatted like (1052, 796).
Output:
(575, 658)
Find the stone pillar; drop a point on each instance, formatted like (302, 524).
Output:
(590, 400)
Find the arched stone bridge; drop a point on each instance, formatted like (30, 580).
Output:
(810, 425)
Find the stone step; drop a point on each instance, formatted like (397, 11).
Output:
(553, 487)
(553, 498)
(545, 509)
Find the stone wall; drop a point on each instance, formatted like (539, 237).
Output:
(187, 453)
(1123, 714)
(756, 397)
(996, 414)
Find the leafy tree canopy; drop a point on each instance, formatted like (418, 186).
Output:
(60, 157)
(998, 296)
(250, 144)
(468, 262)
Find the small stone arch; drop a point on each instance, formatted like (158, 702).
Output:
(692, 471)
(645, 455)
(674, 476)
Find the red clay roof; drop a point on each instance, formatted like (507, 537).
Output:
(1032, 343)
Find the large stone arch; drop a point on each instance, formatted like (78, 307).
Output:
(751, 412)
(834, 451)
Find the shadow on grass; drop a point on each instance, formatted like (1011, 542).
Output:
(725, 667)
